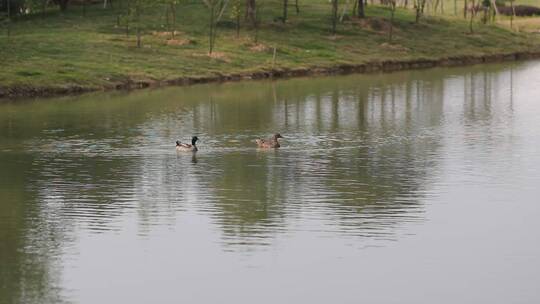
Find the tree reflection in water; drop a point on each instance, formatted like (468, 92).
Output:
(357, 154)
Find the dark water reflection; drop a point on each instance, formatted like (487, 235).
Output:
(95, 201)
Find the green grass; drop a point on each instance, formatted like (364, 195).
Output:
(56, 50)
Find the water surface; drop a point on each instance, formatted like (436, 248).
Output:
(409, 187)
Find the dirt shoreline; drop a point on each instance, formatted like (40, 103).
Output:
(15, 92)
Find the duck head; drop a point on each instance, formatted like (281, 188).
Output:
(194, 140)
(276, 136)
(177, 143)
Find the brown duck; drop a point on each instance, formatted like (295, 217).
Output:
(269, 143)
(182, 147)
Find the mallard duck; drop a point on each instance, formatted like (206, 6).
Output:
(269, 143)
(187, 147)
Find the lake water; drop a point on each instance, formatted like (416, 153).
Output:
(409, 187)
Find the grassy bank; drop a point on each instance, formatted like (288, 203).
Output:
(69, 50)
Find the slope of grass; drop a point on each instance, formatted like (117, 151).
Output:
(67, 49)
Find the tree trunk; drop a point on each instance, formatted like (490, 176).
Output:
(9, 18)
(334, 15)
(513, 14)
(495, 9)
(442, 7)
(472, 17)
(138, 18)
(173, 15)
(258, 15)
(237, 25)
(211, 35)
(344, 11)
(393, 10)
(465, 8)
(167, 21)
(251, 7)
(361, 13)
(494, 3)
(417, 9)
(285, 6)
(297, 7)
(63, 4)
(128, 14)
(420, 6)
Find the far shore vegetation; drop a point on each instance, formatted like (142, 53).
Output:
(97, 44)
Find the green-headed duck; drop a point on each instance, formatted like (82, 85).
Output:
(269, 143)
(187, 147)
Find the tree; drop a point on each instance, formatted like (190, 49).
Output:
(44, 4)
(62, 3)
(472, 16)
(8, 17)
(361, 11)
(251, 8)
(212, 6)
(212, 34)
(126, 17)
(513, 14)
(13, 8)
(442, 6)
(258, 15)
(419, 6)
(10, 9)
(392, 12)
(485, 8)
(235, 15)
(334, 15)
(138, 4)
(495, 10)
(285, 7)
(171, 11)
(134, 11)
